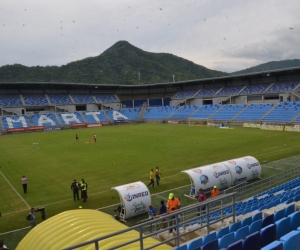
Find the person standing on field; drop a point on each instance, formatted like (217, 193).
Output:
(32, 218)
(151, 178)
(75, 188)
(157, 175)
(95, 138)
(77, 139)
(24, 184)
(84, 192)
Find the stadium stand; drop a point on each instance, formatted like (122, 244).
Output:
(228, 91)
(59, 99)
(35, 99)
(127, 103)
(260, 228)
(205, 111)
(228, 112)
(283, 86)
(155, 102)
(207, 92)
(93, 117)
(83, 98)
(284, 112)
(16, 121)
(47, 120)
(255, 88)
(185, 94)
(105, 98)
(131, 114)
(253, 112)
(10, 100)
(159, 113)
(183, 112)
(139, 103)
(70, 118)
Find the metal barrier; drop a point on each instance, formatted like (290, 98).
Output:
(189, 215)
(179, 220)
(245, 190)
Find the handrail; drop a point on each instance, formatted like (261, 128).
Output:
(179, 223)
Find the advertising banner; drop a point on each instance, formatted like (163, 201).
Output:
(82, 124)
(174, 122)
(295, 128)
(94, 125)
(52, 128)
(121, 121)
(272, 127)
(224, 174)
(135, 198)
(207, 177)
(243, 169)
(33, 128)
(105, 123)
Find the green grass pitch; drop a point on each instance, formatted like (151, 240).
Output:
(122, 154)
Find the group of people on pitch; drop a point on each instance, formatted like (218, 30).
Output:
(79, 186)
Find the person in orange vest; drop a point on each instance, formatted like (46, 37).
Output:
(215, 191)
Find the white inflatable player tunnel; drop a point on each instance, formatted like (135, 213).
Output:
(223, 174)
(134, 199)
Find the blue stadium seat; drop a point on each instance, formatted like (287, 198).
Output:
(210, 237)
(213, 245)
(235, 226)
(238, 245)
(291, 240)
(275, 245)
(182, 247)
(241, 233)
(226, 240)
(267, 235)
(294, 220)
(279, 214)
(252, 241)
(255, 226)
(246, 221)
(195, 244)
(257, 216)
(267, 221)
(223, 231)
(282, 227)
(289, 210)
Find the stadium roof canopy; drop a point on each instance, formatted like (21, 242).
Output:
(252, 77)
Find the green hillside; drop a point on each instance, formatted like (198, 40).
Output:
(274, 65)
(117, 65)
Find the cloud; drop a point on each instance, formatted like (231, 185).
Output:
(221, 35)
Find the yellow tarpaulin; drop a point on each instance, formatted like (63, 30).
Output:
(76, 226)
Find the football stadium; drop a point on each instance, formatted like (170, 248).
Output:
(237, 134)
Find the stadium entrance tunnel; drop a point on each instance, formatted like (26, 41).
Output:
(223, 174)
(135, 199)
(73, 227)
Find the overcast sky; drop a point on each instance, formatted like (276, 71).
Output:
(225, 35)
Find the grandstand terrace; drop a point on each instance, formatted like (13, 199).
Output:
(271, 97)
(268, 214)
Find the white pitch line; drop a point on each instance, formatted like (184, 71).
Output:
(15, 190)
(15, 230)
(278, 150)
(264, 166)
